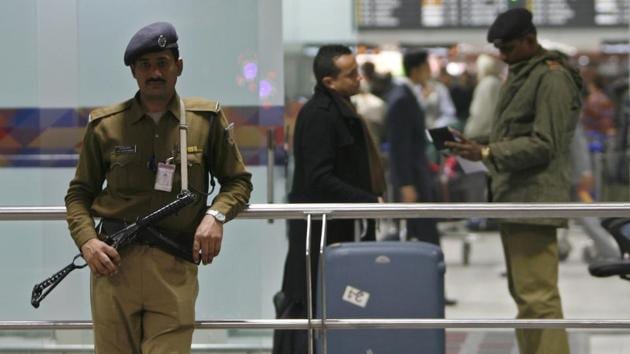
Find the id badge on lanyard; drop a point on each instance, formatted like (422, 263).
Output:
(164, 178)
(166, 171)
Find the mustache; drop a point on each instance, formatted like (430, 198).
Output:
(155, 80)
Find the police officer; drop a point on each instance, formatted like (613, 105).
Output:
(143, 298)
(528, 160)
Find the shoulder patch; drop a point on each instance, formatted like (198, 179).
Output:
(109, 110)
(553, 65)
(201, 104)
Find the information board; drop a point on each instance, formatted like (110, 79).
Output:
(427, 14)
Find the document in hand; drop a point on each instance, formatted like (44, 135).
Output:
(441, 135)
(471, 166)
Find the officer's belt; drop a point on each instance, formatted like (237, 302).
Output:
(178, 244)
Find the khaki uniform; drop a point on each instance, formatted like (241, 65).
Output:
(536, 118)
(149, 305)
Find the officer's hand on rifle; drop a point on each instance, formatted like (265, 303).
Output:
(101, 257)
(208, 237)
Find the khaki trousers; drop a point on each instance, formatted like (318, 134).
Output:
(148, 306)
(531, 256)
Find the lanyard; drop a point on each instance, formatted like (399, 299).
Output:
(183, 144)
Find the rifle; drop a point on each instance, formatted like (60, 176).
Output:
(118, 240)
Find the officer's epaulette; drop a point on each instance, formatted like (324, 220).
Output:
(109, 110)
(201, 104)
(553, 64)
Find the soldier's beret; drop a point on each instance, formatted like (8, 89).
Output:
(511, 24)
(152, 38)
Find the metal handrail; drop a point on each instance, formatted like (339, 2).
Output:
(381, 211)
(358, 211)
(82, 348)
(371, 323)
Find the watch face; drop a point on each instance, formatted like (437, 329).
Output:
(217, 215)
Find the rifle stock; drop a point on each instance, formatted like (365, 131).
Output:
(118, 240)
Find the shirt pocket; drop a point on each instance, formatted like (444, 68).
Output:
(128, 174)
(197, 171)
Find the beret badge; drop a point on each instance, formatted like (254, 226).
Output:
(161, 41)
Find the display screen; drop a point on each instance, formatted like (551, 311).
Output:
(427, 14)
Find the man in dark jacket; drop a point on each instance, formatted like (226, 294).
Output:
(528, 160)
(410, 173)
(336, 161)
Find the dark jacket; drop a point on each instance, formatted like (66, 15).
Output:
(331, 166)
(407, 138)
(535, 120)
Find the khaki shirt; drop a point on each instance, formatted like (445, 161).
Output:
(122, 146)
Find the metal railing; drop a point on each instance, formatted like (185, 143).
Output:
(359, 211)
(381, 211)
(371, 323)
(82, 348)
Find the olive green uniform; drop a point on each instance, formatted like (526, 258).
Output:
(148, 306)
(536, 117)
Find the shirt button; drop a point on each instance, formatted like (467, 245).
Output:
(157, 135)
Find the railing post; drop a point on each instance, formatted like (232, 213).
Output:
(309, 285)
(270, 167)
(322, 275)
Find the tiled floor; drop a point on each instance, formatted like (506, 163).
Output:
(481, 292)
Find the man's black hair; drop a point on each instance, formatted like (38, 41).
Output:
(413, 59)
(324, 63)
(368, 69)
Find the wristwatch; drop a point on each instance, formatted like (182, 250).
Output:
(217, 215)
(485, 153)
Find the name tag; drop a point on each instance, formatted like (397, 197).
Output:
(164, 177)
(120, 149)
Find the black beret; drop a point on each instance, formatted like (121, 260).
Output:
(511, 24)
(152, 38)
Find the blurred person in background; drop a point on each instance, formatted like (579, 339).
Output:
(484, 101)
(583, 182)
(461, 89)
(439, 111)
(411, 177)
(619, 164)
(598, 114)
(372, 108)
(478, 127)
(435, 99)
(378, 84)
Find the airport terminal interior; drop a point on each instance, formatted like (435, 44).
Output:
(62, 59)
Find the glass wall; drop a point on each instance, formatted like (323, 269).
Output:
(66, 58)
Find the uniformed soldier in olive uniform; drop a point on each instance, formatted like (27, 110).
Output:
(143, 299)
(528, 160)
